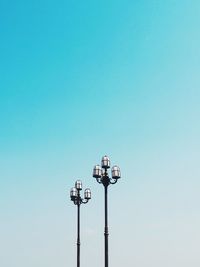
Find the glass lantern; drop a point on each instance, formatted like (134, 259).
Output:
(73, 193)
(87, 194)
(78, 185)
(97, 172)
(116, 172)
(105, 162)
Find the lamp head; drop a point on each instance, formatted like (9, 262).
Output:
(105, 162)
(87, 194)
(73, 193)
(116, 174)
(78, 185)
(97, 172)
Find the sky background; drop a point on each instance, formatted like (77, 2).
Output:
(81, 79)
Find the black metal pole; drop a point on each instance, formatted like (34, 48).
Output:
(78, 200)
(106, 226)
(102, 177)
(78, 233)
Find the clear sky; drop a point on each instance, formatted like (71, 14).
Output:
(80, 79)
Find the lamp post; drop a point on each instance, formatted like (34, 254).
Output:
(102, 177)
(78, 200)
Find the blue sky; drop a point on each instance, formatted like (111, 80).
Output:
(83, 79)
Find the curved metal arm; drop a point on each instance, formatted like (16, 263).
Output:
(76, 201)
(99, 180)
(80, 201)
(84, 201)
(113, 181)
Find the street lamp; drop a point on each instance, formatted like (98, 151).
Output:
(102, 177)
(78, 200)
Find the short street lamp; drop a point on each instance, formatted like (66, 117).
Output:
(102, 177)
(78, 200)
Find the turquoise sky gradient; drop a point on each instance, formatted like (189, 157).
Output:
(80, 79)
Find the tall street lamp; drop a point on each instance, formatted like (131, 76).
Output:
(102, 177)
(78, 200)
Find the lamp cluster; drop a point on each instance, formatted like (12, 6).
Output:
(75, 194)
(101, 172)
